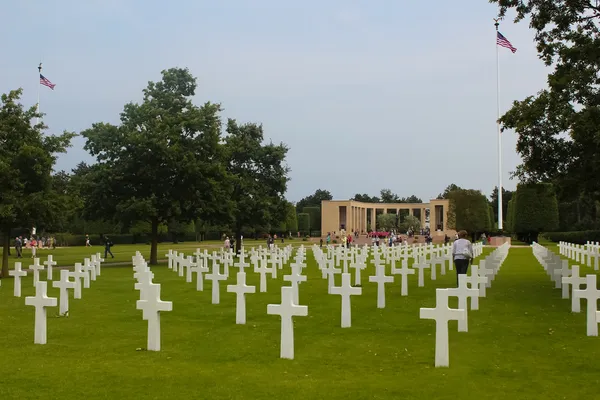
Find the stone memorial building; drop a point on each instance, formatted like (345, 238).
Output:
(357, 216)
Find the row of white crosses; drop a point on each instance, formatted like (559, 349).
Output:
(356, 257)
(481, 276)
(41, 300)
(260, 259)
(565, 276)
(581, 254)
(150, 302)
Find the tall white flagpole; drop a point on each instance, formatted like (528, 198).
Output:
(498, 133)
(38, 85)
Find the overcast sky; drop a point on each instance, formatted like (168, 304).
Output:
(367, 94)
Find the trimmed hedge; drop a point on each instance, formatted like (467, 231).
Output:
(315, 217)
(304, 222)
(577, 237)
(535, 208)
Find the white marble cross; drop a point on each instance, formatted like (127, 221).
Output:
(381, 279)
(144, 281)
(191, 264)
(287, 309)
(215, 276)
(358, 266)
(77, 274)
(240, 288)
(346, 290)
(98, 263)
(169, 256)
(563, 272)
(90, 268)
(591, 294)
(442, 314)
(330, 271)
(420, 265)
(49, 264)
(175, 260)
(404, 271)
(463, 293)
(199, 269)
(36, 267)
(40, 301)
(151, 307)
(575, 281)
(475, 280)
(295, 278)
(262, 270)
(241, 264)
(64, 284)
(17, 273)
(274, 261)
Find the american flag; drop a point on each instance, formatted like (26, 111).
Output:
(502, 41)
(46, 82)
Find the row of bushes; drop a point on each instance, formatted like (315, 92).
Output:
(67, 239)
(578, 237)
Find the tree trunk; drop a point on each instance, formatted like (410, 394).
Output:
(154, 242)
(5, 248)
(238, 240)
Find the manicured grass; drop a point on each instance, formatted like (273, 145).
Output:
(67, 256)
(523, 343)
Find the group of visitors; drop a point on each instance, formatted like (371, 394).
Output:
(33, 243)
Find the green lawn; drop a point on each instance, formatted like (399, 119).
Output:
(67, 256)
(523, 343)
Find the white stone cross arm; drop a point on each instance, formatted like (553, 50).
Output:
(49, 264)
(442, 314)
(17, 273)
(151, 308)
(40, 301)
(241, 289)
(346, 290)
(286, 310)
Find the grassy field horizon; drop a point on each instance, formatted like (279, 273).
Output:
(523, 343)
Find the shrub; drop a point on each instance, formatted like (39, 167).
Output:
(577, 237)
(535, 210)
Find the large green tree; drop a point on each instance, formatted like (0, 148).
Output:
(162, 163)
(559, 127)
(469, 210)
(506, 196)
(27, 156)
(365, 198)
(535, 210)
(259, 178)
(314, 200)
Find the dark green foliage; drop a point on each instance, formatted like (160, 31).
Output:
(315, 217)
(578, 237)
(365, 198)
(510, 215)
(304, 222)
(535, 210)
(314, 200)
(469, 210)
(29, 195)
(258, 175)
(558, 128)
(162, 163)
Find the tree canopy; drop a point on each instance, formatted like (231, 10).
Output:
(259, 178)
(26, 160)
(162, 163)
(558, 127)
(314, 200)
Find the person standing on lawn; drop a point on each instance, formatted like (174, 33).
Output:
(462, 254)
